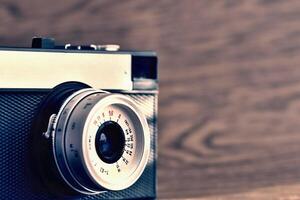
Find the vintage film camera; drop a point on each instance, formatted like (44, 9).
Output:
(77, 122)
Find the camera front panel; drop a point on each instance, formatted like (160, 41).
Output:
(17, 112)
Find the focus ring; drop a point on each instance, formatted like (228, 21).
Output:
(59, 140)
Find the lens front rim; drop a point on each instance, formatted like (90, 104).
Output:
(143, 145)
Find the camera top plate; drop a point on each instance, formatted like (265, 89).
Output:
(46, 65)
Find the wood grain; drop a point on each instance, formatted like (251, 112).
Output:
(229, 104)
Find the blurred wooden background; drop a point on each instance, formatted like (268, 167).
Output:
(229, 109)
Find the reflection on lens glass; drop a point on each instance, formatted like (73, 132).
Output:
(110, 142)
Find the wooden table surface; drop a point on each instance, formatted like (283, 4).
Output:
(229, 107)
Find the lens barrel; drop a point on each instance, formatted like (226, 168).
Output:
(100, 141)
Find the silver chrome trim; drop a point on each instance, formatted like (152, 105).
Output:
(37, 69)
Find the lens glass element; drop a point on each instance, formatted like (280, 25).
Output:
(110, 142)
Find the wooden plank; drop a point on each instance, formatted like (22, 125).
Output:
(230, 84)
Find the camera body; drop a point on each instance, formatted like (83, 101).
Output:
(77, 122)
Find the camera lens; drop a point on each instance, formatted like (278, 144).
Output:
(101, 142)
(110, 142)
